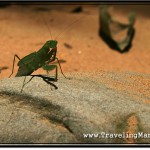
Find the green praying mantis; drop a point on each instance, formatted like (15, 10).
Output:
(39, 59)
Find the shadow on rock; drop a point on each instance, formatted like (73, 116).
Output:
(47, 79)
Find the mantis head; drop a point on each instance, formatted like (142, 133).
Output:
(52, 43)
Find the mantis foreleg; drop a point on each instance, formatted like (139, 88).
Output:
(48, 68)
(53, 57)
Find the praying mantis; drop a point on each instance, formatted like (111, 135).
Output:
(39, 59)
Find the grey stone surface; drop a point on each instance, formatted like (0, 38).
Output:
(88, 103)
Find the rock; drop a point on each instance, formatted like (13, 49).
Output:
(101, 103)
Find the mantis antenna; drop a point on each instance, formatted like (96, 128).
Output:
(47, 26)
(68, 27)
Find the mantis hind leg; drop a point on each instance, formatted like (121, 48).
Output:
(15, 56)
(23, 84)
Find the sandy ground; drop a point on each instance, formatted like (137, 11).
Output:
(25, 28)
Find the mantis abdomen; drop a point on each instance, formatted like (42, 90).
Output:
(28, 65)
(33, 61)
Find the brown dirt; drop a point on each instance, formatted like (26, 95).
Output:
(24, 31)
(136, 86)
